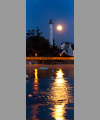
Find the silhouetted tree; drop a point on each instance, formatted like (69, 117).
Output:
(37, 44)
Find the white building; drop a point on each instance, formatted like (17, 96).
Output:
(51, 32)
(64, 52)
(66, 49)
(64, 46)
(70, 50)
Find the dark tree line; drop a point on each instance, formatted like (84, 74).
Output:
(38, 44)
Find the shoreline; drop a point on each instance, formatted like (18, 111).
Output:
(49, 58)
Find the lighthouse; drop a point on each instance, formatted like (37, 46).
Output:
(51, 32)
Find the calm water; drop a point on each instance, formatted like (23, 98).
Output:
(50, 94)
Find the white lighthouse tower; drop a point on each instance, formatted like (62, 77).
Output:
(51, 32)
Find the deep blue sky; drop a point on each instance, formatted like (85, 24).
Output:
(39, 12)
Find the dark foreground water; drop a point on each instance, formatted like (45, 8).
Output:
(50, 94)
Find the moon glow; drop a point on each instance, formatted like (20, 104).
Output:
(59, 27)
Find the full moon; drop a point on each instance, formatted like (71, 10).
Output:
(59, 28)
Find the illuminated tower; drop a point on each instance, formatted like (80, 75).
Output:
(51, 32)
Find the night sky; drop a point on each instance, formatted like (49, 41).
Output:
(39, 12)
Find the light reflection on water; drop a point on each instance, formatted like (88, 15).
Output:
(35, 83)
(52, 97)
(60, 96)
